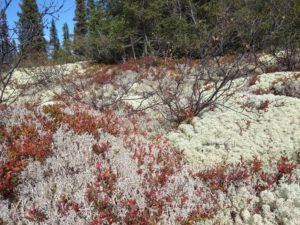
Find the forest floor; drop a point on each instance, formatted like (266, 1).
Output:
(90, 144)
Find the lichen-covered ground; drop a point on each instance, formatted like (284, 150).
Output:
(69, 156)
(244, 129)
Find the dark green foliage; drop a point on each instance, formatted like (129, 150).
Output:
(138, 28)
(285, 31)
(31, 34)
(66, 39)
(103, 46)
(54, 41)
(80, 29)
(65, 53)
(8, 49)
(14, 49)
(5, 48)
(133, 28)
(89, 8)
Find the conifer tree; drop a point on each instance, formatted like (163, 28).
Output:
(80, 29)
(14, 49)
(90, 7)
(99, 46)
(66, 39)
(54, 41)
(5, 51)
(31, 29)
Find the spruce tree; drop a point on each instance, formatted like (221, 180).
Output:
(90, 7)
(31, 34)
(99, 46)
(5, 51)
(54, 41)
(80, 29)
(66, 39)
(14, 49)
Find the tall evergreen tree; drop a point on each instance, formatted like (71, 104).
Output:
(132, 28)
(54, 41)
(89, 8)
(5, 50)
(31, 34)
(66, 39)
(80, 29)
(100, 47)
(14, 49)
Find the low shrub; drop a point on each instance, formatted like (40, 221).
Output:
(21, 143)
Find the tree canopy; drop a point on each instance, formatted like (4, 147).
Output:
(54, 41)
(112, 30)
(31, 34)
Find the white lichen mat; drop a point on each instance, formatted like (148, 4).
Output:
(229, 133)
